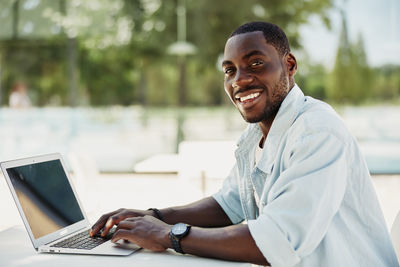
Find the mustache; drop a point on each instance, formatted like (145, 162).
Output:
(251, 87)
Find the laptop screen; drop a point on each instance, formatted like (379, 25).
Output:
(46, 196)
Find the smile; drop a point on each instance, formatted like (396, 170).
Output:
(249, 97)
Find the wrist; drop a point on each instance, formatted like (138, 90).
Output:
(156, 213)
(166, 239)
(177, 232)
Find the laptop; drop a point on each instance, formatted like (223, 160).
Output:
(50, 208)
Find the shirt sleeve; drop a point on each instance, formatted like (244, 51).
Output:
(228, 197)
(303, 200)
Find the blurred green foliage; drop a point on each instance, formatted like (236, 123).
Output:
(119, 51)
(351, 78)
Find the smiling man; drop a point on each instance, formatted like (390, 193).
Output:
(299, 194)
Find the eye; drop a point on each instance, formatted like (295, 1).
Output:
(228, 70)
(256, 63)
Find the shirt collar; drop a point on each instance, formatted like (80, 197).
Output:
(287, 114)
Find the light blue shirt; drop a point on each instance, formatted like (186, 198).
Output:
(317, 205)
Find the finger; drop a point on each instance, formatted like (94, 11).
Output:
(132, 219)
(122, 234)
(113, 220)
(126, 224)
(100, 223)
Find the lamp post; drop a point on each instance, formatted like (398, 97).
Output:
(181, 48)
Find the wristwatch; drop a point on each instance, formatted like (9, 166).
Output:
(178, 231)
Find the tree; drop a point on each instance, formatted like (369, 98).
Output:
(312, 79)
(363, 79)
(121, 45)
(351, 76)
(386, 84)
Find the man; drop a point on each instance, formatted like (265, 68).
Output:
(300, 181)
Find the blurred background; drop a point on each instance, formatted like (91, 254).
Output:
(127, 88)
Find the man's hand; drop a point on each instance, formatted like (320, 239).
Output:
(108, 220)
(146, 232)
(212, 233)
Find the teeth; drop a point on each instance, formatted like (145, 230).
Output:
(250, 96)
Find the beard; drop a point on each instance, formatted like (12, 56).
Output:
(272, 105)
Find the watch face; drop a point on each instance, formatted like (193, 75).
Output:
(179, 229)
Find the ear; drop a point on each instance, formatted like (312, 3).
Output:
(291, 64)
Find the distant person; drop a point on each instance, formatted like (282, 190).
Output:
(300, 182)
(19, 96)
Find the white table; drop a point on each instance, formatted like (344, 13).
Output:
(16, 250)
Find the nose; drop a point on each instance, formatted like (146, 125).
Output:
(242, 79)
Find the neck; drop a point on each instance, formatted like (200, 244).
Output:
(265, 126)
(291, 82)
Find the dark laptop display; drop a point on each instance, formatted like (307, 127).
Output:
(46, 196)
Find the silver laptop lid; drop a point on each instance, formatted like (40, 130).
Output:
(45, 197)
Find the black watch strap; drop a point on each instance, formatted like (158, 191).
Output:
(176, 244)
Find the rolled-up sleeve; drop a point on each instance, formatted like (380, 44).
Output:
(303, 200)
(228, 197)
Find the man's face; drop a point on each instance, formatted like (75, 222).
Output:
(256, 76)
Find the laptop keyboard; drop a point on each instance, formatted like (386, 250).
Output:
(81, 241)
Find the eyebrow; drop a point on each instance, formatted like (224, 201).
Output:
(248, 55)
(253, 53)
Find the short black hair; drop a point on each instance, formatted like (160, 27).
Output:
(272, 33)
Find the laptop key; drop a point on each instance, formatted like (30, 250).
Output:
(80, 241)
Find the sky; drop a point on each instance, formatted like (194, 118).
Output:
(377, 20)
